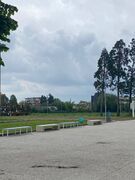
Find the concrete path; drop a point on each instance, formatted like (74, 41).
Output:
(104, 152)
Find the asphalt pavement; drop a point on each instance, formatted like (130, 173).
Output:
(103, 152)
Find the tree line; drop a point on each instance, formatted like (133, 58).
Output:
(49, 103)
(43, 104)
(116, 72)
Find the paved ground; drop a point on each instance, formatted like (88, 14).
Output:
(105, 152)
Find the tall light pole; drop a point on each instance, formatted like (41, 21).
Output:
(47, 97)
(0, 83)
(105, 103)
(2, 48)
(105, 75)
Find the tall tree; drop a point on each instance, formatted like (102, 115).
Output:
(117, 64)
(13, 103)
(50, 99)
(4, 100)
(101, 76)
(130, 75)
(43, 100)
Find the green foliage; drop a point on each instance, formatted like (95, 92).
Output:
(120, 73)
(43, 100)
(59, 104)
(4, 100)
(13, 103)
(24, 107)
(82, 106)
(68, 106)
(130, 72)
(50, 99)
(101, 76)
(111, 101)
(7, 24)
(118, 64)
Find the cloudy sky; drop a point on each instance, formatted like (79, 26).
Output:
(58, 42)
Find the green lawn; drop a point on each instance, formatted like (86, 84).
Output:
(44, 118)
(37, 118)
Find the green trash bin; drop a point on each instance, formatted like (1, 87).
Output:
(81, 120)
(108, 117)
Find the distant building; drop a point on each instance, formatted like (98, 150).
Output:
(33, 101)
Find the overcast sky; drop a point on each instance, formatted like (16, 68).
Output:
(58, 42)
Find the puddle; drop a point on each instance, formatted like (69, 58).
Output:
(103, 142)
(55, 166)
(2, 172)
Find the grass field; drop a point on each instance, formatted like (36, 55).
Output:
(44, 118)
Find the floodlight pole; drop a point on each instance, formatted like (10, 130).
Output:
(47, 103)
(105, 95)
(133, 109)
(105, 103)
(0, 84)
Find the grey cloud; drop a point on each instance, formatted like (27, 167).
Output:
(60, 60)
(58, 43)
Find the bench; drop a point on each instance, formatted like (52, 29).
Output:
(94, 122)
(43, 127)
(15, 129)
(69, 124)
